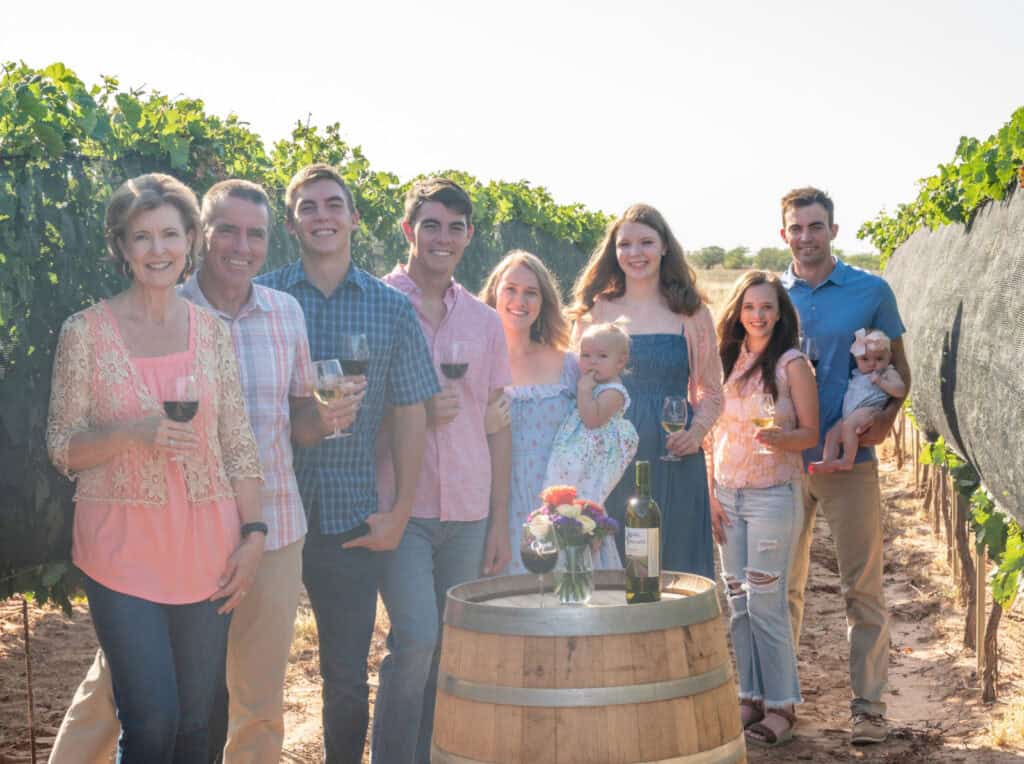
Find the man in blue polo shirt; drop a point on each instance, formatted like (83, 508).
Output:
(834, 300)
(337, 477)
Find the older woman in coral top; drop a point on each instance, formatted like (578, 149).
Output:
(167, 513)
(756, 498)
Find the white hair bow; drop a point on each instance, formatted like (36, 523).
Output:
(865, 341)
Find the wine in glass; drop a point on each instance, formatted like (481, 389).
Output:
(328, 379)
(355, 355)
(809, 347)
(762, 415)
(538, 549)
(673, 419)
(183, 403)
(454, 360)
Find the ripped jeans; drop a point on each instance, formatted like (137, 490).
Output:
(755, 567)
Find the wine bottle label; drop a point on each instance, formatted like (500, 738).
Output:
(643, 549)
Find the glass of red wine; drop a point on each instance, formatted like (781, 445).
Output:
(538, 549)
(355, 355)
(454, 359)
(809, 347)
(183, 403)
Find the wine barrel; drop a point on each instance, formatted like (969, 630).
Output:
(610, 682)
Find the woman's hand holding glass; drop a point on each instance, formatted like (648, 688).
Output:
(762, 416)
(680, 441)
(176, 439)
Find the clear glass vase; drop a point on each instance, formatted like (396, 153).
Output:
(574, 576)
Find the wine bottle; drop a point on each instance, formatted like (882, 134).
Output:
(643, 541)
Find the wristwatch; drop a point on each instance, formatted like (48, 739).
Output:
(248, 528)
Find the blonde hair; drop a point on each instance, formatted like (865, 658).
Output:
(551, 327)
(612, 330)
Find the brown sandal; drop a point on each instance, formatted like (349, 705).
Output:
(756, 713)
(761, 734)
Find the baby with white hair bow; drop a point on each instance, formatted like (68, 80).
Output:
(872, 383)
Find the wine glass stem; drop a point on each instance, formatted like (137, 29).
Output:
(540, 588)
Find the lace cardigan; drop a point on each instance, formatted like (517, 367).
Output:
(96, 384)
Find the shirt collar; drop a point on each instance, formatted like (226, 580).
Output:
(295, 273)
(838, 276)
(192, 291)
(400, 279)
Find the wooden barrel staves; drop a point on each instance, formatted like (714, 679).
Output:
(608, 683)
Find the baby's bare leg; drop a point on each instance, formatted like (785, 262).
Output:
(850, 425)
(833, 439)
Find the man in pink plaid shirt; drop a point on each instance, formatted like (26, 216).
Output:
(269, 334)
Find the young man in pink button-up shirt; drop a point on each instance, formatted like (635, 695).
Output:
(459, 525)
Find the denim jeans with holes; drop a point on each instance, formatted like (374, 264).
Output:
(755, 567)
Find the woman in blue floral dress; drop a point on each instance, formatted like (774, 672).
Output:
(544, 374)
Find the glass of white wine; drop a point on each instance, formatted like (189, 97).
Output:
(763, 415)
(328, 380)
(673, 419)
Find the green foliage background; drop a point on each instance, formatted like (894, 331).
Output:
(65, 146)
(981, 171)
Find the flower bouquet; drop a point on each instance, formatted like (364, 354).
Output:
(578, 525)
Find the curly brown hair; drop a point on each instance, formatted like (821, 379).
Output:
(603, 276)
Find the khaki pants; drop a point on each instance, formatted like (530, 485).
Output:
(258, 645)
(851, 502)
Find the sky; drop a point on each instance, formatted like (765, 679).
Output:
(710, 111)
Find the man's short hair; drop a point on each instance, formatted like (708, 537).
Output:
(805, 197)
(443, 190)
(308, 174)
(233, 188)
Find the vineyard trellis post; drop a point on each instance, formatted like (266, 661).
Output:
(28, 682)
(979, 605)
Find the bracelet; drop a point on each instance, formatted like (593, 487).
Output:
(259, 527)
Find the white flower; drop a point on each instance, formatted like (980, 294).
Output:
(568, 510)
(540, 526)
(587, 523)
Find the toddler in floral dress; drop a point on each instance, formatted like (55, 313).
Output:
(596, 443)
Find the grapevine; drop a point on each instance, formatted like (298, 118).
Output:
(980, 172)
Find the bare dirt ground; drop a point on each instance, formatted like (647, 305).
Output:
(934, 702)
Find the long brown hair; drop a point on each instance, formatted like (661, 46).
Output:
(551, 327)
(731, 333)
(603, 276)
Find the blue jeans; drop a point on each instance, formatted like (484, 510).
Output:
(342, 586)
(432, 557)
(755, 565)
(165, 664)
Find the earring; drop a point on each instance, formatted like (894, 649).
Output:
(126, 269)
(189, 263)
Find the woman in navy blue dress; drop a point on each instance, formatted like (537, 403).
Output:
(638, 275)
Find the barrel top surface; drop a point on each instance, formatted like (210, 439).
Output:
(512, 605)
